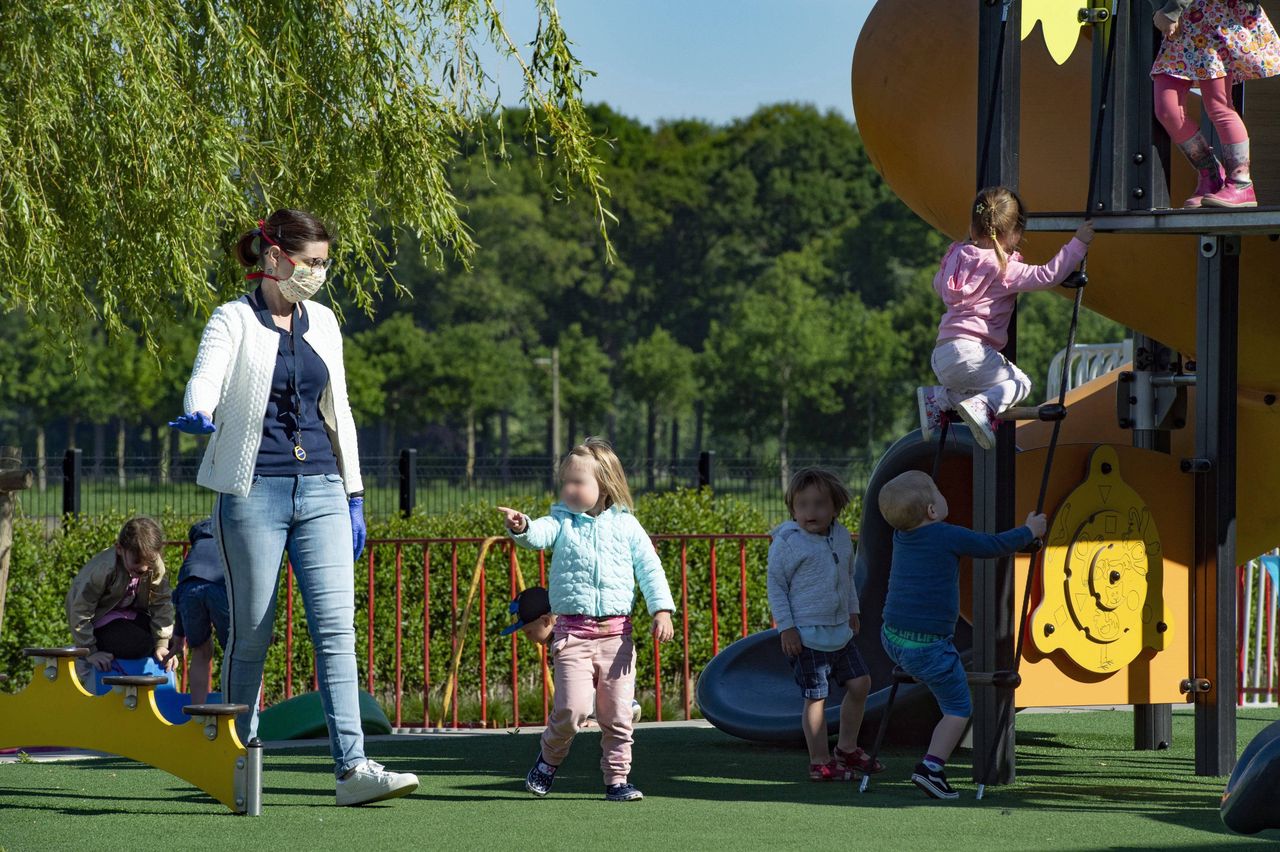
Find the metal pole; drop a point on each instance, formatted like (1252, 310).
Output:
(408, 481)
(1152, 723)
(71, 483)
(706, 468)
(555, 403)
(994, 472)
(1217, 314)
(253, 778)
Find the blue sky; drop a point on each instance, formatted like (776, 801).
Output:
(710, 59)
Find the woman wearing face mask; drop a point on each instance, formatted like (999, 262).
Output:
(269, 389)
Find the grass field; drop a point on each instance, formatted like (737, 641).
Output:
(1079, 787)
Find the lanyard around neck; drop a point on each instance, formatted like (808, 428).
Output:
(293, 369)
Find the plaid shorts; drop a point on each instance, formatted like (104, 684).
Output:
(815, 669)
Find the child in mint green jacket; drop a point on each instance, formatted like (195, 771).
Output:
(601, 554)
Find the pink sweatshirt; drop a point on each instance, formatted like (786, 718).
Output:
(980, 301)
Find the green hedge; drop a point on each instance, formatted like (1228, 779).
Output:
(44, 563)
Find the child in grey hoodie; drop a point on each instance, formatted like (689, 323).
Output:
(815, 606)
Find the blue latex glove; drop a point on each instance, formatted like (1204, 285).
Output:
(198, 423)
(358, 532)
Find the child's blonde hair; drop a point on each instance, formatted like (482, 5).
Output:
(904, 500)
(824, 479)
(997, 213)
(609, 474)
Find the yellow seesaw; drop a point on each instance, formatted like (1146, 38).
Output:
(56, 710)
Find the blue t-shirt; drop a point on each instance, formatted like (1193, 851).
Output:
(924, 576)
(280, 423)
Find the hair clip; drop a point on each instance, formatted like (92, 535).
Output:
(980, 208)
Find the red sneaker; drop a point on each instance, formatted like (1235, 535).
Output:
(1210, 181)
(858, 761)
(1232, 195)
(832, 770)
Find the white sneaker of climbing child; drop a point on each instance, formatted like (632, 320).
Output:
(371, 782)
(975, 414)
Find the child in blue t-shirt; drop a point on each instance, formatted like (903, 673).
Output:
(200, 604)
(923, 604)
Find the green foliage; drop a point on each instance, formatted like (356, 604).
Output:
(137, 141)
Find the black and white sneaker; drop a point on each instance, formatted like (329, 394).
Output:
(540, 777)
(623, 792)
(933, 783)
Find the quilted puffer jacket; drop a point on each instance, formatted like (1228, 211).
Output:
(597, 562)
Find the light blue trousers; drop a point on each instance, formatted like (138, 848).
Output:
(308, 516)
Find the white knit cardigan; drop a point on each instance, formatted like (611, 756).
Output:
(231, 381)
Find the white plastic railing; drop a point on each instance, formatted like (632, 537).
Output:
(1088, 362)
(1258, 608)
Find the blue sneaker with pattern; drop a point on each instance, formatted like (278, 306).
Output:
(540, 777)
(623, 792)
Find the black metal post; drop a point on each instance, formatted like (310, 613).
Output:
(994, 472)
(408, 481)
(1217, 314)
(1140, 144)
(71, 479)
(706, 468)
(1152, 723)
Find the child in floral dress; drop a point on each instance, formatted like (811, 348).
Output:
(1212, 44)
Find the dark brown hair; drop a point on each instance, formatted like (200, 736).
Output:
(824, 479)
(289, 229)
(141, 536)
(996, 214)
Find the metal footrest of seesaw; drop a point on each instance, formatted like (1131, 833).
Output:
(249, 767)
(129, 685)
(1003, 679)
(49, 657)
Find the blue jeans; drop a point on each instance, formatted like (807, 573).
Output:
(202, 611)
(308, 516)
(938, 667)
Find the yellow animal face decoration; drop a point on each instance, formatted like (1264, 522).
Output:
(1103, 574)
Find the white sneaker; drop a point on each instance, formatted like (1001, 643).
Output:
(931, 411)
(975, 414)
(371, 782)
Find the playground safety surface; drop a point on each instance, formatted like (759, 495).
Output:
(1080, 786)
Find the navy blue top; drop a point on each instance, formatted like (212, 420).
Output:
(203, 561)
(924, 576)
(281, 424)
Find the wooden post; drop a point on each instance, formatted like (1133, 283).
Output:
(10, 481)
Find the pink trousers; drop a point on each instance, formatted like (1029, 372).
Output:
(602, 670)
(1171, 108)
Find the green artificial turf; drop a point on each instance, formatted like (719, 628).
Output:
(1080, 786)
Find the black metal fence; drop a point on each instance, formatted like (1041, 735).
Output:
(76, 484)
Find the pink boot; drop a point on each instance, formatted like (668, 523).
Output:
(1211, 180)
(1232, 195)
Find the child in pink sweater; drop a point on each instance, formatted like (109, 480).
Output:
(979, 284)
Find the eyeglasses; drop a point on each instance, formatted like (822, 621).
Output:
(314, 262)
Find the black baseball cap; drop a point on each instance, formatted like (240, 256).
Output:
(528, 607)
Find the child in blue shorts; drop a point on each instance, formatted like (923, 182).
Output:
(923, 604)
(815, 605)
(200, 604)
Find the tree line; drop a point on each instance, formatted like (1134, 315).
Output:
(768, 296)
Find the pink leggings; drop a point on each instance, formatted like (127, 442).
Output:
(1171, 109)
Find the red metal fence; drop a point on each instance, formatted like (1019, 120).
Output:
(413, 593)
